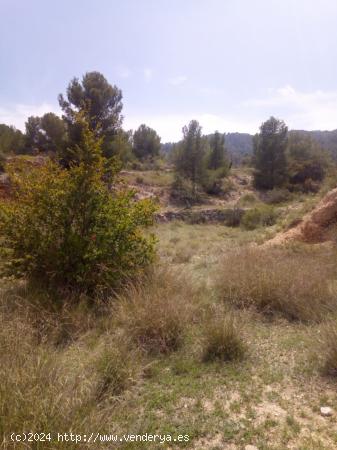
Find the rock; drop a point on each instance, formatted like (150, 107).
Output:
(326, 411)
(251, 447)
(227, 216)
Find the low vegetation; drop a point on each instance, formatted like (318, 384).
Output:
(156, 313)
(295, 283)
(168, 339)
(110, 324)
(223, 339)
(329, 348)
(263, 216)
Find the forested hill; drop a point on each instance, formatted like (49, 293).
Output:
(241, 144)
(237, 144)
(326, 139)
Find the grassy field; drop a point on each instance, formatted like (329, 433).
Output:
(157, 178)
(179, 353)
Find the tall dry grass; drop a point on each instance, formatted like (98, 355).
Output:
(298, 284)
(66, 368)
(49, 382)
(156, 313)
(328, 348)
(223, 338)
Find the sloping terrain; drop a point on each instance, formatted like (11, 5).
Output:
(315, 226)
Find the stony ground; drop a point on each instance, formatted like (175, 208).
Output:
(156, 184)
(272, 400)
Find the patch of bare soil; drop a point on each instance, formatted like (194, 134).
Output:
(315, 227)
(242, 185)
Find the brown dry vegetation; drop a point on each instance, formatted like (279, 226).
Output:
(142, 354)
(297, 283)
(223, 338)
(329, 348)
(155, 313)
(185, 350)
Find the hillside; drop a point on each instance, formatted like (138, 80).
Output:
(238, 145)
(210, 346)
(241, 144)
(327, 139)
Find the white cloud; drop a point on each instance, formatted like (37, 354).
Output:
(148, 74)
(18, 114)
(124, 72)
(169, 126)
(211, 91)
(300, 110)
(176, 81)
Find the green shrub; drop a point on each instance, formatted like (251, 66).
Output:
(2, 162)
(247, 199)
(65, 228)
(263, 216)
(277, 195)
(223, 339)
(182, 193)
(213, 181)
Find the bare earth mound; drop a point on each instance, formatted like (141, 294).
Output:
(315, 226)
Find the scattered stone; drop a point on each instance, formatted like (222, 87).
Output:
(251, 447)
(326, 411)
(227, 216)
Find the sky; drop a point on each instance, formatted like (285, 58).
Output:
(228, 63)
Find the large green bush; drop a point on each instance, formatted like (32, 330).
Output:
(69, 228)
(263, 216)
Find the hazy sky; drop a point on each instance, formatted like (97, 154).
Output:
(228, 63)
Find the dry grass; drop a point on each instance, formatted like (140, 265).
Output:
(48, 384)
(64, 368)
(149, 177)
(155, 314)
(135, 366)
(329, 348)
(296, 284)
(118, 365)
(39, 387)
(55, 320)
(222, 338)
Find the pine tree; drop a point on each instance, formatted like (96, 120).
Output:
(190, 160)
(269, 154)
(102, 104)
(217, 157)
(146, 142)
